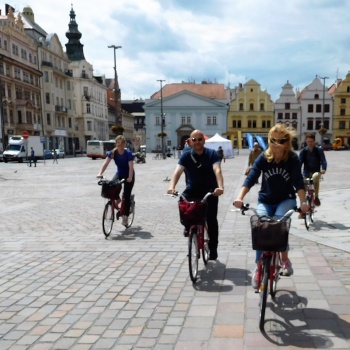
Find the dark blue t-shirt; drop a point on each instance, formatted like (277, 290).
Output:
(201, 178)
(280, 180)
(122, 162)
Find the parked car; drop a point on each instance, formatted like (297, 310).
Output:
(47, 154)
(60, 154)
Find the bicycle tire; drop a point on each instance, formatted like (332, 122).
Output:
(131, 214)
(275, 274)
(193, 256)
(307, 216)
(312, 209)
(264, 287)
(107, 218)
(205, 250)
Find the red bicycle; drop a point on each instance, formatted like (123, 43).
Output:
(193, 214)
(114, 208)
(270, 236)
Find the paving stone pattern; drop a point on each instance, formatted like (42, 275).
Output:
(64, 286)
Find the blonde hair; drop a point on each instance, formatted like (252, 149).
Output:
(287, 134)
(119, 137)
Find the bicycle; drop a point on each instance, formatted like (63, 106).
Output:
(111, 191)
(270, 236)
(193, 213)
(309, 217)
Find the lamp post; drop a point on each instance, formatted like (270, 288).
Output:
(162, 115)
(116, 92)
(323, 99)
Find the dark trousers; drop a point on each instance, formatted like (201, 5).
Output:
(127, 192)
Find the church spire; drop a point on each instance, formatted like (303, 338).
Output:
(75, 51)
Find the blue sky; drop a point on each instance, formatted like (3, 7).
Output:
(223, 41)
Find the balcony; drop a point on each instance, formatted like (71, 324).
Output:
(47, 64)
(60, 109)
(84, 76)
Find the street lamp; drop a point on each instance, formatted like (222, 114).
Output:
(323, 99)
(162, 115)
(116, 92)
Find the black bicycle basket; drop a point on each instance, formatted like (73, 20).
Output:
(192, 212)
(110, 189)
(268, 234)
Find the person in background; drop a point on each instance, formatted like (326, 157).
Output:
(221, 154)
(203, 168)
(124, 160)
(55, 156)
(32, 157)
(313, 161)
(281, 179)
(253, 155)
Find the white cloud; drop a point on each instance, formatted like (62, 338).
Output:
(219, 40)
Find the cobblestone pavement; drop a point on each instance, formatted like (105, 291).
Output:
(64, 286)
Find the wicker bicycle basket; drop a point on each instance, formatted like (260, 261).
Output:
(268, 234)
(110, 190)
(192, 212)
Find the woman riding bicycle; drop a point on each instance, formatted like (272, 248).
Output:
(281, 178)
(124, 161)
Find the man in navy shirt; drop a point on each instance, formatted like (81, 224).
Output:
(314, 161)
(203, 169)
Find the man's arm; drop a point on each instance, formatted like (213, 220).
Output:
(219, 178)
(175, 178)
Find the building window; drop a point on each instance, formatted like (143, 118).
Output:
(208, 120)
(188, 119)
(89, 125)
(341, 124)
(294, 115)
(262, 107)
(318, 108)
(287, 105)
(342, 111)
(318, 124)
(17, 74)
(47, 97)
(157, 120)
(88, 108)
(19, 115)
(251, 107)
(214, 120)
(46, 77)
(48, 119)
(287, 116)
(343, 101)
(326, 108)
(326, 124)
(252, 124)
(310, 124)
(279, 115)
(310, 108)
(316, 97)
(70, 123)
(241, 106)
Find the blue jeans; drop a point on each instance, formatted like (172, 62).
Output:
(276, 211)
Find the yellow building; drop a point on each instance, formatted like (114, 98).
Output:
(341, 113)
(251, 111)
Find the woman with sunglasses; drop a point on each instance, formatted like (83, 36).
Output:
(281, 178)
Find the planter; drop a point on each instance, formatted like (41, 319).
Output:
(322, 131)
(117, 129)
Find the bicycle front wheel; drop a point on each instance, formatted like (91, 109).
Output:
(131, 212)
(307, 216)
(264, 287)
(108, 218)
(193, 255)
(312, 210)
(205, 250)
(275, 273)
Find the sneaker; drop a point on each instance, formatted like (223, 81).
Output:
(317, 201)
(255, 281)
(287, 269)
(125, 220)
(213, 255)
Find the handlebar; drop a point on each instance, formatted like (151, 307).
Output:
(285, 217)
(203, 200)
(103, 180)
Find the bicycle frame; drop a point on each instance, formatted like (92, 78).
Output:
(310, 199)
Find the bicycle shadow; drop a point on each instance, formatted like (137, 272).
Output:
(303, 327)
(319, 224)
(130, 234)
(212, 278)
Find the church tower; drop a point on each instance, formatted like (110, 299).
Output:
(74, 48)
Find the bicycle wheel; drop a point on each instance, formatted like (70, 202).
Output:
(275, 273)
(264, 287)
(131, 212)
(312, 209)
(193, 255)
(205, 250)
(307, 216)
(107, 218)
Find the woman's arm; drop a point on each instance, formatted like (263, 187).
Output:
(104, 167)
(131, 170)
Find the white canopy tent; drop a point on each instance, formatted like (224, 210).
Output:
(216, 141)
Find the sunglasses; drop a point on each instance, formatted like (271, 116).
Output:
(279, 141)
(199, 139)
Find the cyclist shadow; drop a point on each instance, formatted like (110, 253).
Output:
(300, 326)
(131, 233)
(212, 278)
(319, 224)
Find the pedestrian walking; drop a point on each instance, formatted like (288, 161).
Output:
(55, 156)
(32, 157)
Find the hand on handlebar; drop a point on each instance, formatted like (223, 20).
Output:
(238, 203)
(218, 191)
(99, 176)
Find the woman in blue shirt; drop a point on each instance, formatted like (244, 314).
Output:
(124, 160)
(281, 178)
